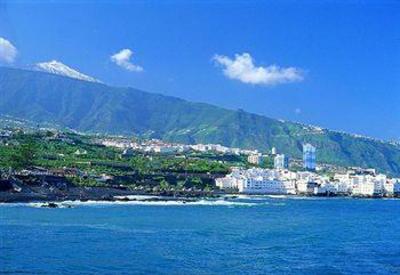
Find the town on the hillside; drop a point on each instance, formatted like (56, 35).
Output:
(280, 180)
(43, 164)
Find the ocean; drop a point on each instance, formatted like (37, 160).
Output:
(246, 235)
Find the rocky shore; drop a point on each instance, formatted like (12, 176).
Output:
(74, 193)
(56, 190)
(15, 190)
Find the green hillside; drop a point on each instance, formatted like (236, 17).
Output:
(94, 107)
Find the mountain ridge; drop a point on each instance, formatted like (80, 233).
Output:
(58, 68)
(96, 107)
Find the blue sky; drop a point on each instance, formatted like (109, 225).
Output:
(338, 62)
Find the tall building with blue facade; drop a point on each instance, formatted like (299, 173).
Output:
(309, 159)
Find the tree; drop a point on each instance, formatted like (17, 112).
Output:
(140, 164)
(164, 185)
(180, 185)
(208, 188)
(23, 156)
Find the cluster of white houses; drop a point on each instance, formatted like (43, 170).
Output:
(356, 182)
(158, 146)
(280, 180)
(253, 156)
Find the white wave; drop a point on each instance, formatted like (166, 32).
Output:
(45, 204)
(261, 197)
(277, 196)
(31, 204)
(307, 198)
(224, 203)
(69, 204)
(160, 203)
(136, 197)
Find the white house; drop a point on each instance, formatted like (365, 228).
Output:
(254, 159)
(367, 185)
(281, 162)
(260, 185)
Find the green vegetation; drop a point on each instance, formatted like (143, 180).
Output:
(86, 162)
(22, 156)
(94, 107)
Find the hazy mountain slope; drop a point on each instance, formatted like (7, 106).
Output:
(95, 107)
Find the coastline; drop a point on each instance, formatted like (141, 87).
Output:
(110, 194)
(82, 194)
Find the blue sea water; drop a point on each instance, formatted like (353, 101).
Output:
(244, 236)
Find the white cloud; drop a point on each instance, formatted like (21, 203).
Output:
(8, 52)
(123, 59)
(242, 68)
(297, 111)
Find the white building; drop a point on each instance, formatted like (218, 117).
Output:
(342, 188)
(255, 159)
(305, 187)
(261, 185)
(80, 152)
(281, 162)
(388, 188)
(228, 182)
(306, 176)
(367, 185)
(165, 149)
(326, 188)
(257, 181)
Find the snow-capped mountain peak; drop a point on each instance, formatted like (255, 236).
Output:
(56, 67)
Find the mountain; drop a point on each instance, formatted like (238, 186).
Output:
(95, 107)
(59, 68)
